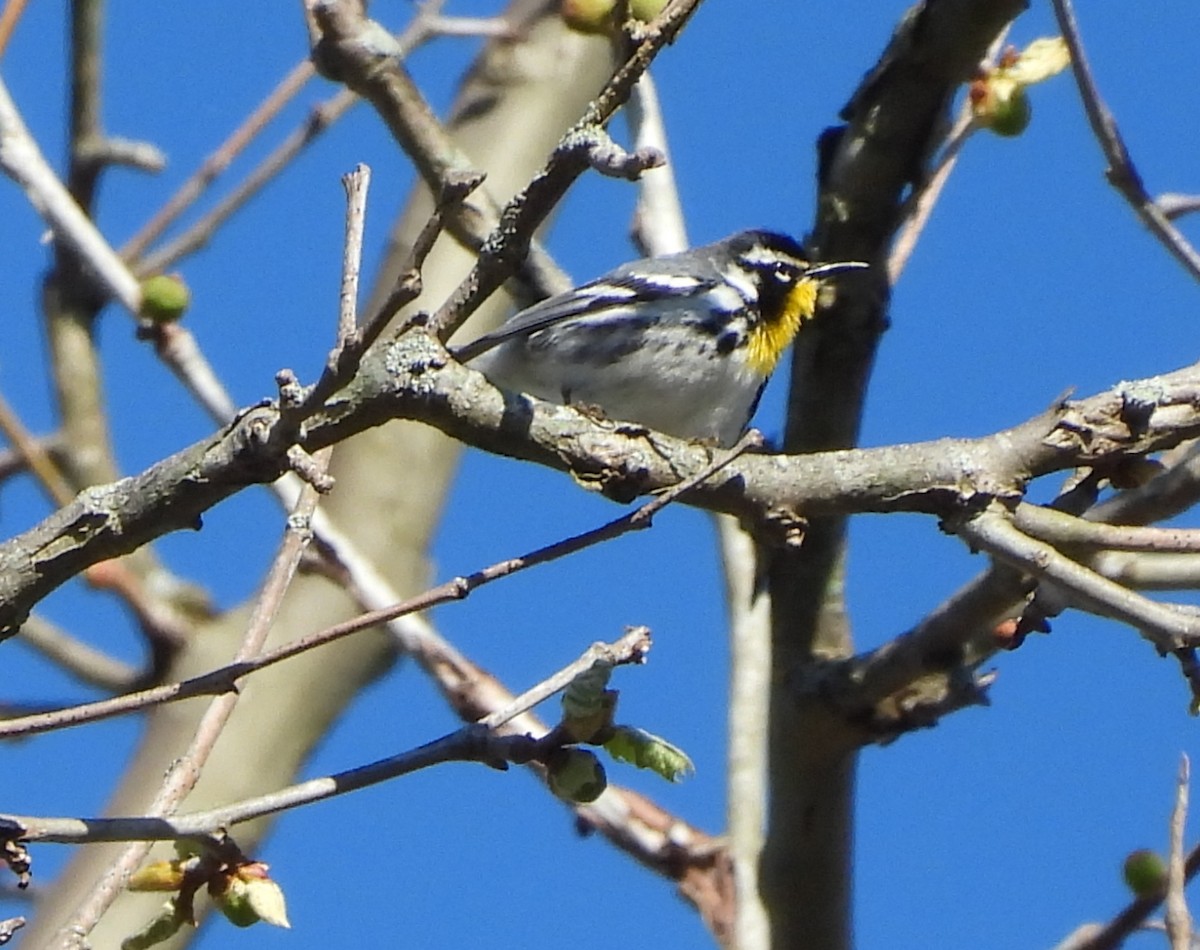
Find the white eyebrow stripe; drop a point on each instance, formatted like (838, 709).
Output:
(765, 256)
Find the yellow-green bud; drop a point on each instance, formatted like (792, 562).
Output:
(1001, 105)
(997, 95)
(1145, 873)
(248, 895)
(158, 876)
(648, 751)
(165, 297)
(234, 902)
(576, 776)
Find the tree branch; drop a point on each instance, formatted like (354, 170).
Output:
(415, 379)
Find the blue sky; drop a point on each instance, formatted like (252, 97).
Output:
(1003, 826)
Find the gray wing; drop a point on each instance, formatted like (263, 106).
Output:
(618, 289)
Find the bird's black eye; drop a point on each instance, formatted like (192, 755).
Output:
(782, 272)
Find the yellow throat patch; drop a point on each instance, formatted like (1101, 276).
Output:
(769, 338)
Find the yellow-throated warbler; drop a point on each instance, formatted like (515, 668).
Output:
(682, 343)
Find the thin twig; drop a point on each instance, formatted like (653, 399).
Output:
(475, 742)
(201, 231)
(1175, 205)
(496, 26)
(923, 202)
(1060, 528)
(426, 25)
(1146, 571)
(36, 457)
(1111, 935)
(658, 222)
(13, 462)
(1121, 172)
(81, 660)
(344, 360)
(8, 21)
(216, 163)
(186, 770)
(224, 678)
(507, 246)
(356, 184)
(22, 160)
(176, 346)
(1168, 629)
(9, 927)
(1178, 919)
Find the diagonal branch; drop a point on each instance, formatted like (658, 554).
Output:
(1121, 172)
(413, 378)
(1168, 628)
(477, 742)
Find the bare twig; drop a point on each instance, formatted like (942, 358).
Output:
(13, 462)
(1167, 628)
(1175, 205)
(200, 232)
(356, 184)
(79, 659)
(509, 243)
(113, 150)
(223, 679)
(9, 927)
(469, 26)
(176, 346)
(920, 205)
(9, 19)
(36, 457)
(611, 160)
(1111, 935)
(186, 770)
(1147, 571)
(476, 742)
(1060, 528)
(1121, 172)
(216, 163)
(346, 357)
(414, 378)
(658, 223)
(923, 202)
(1178, 919)
(22, 161)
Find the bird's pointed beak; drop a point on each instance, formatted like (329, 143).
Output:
(836, 267)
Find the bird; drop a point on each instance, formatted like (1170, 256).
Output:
(682, 344)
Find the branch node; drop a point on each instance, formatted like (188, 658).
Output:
(599, 150)
(291, 393)
(14, 853)
(309, 470)
(9, 927)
